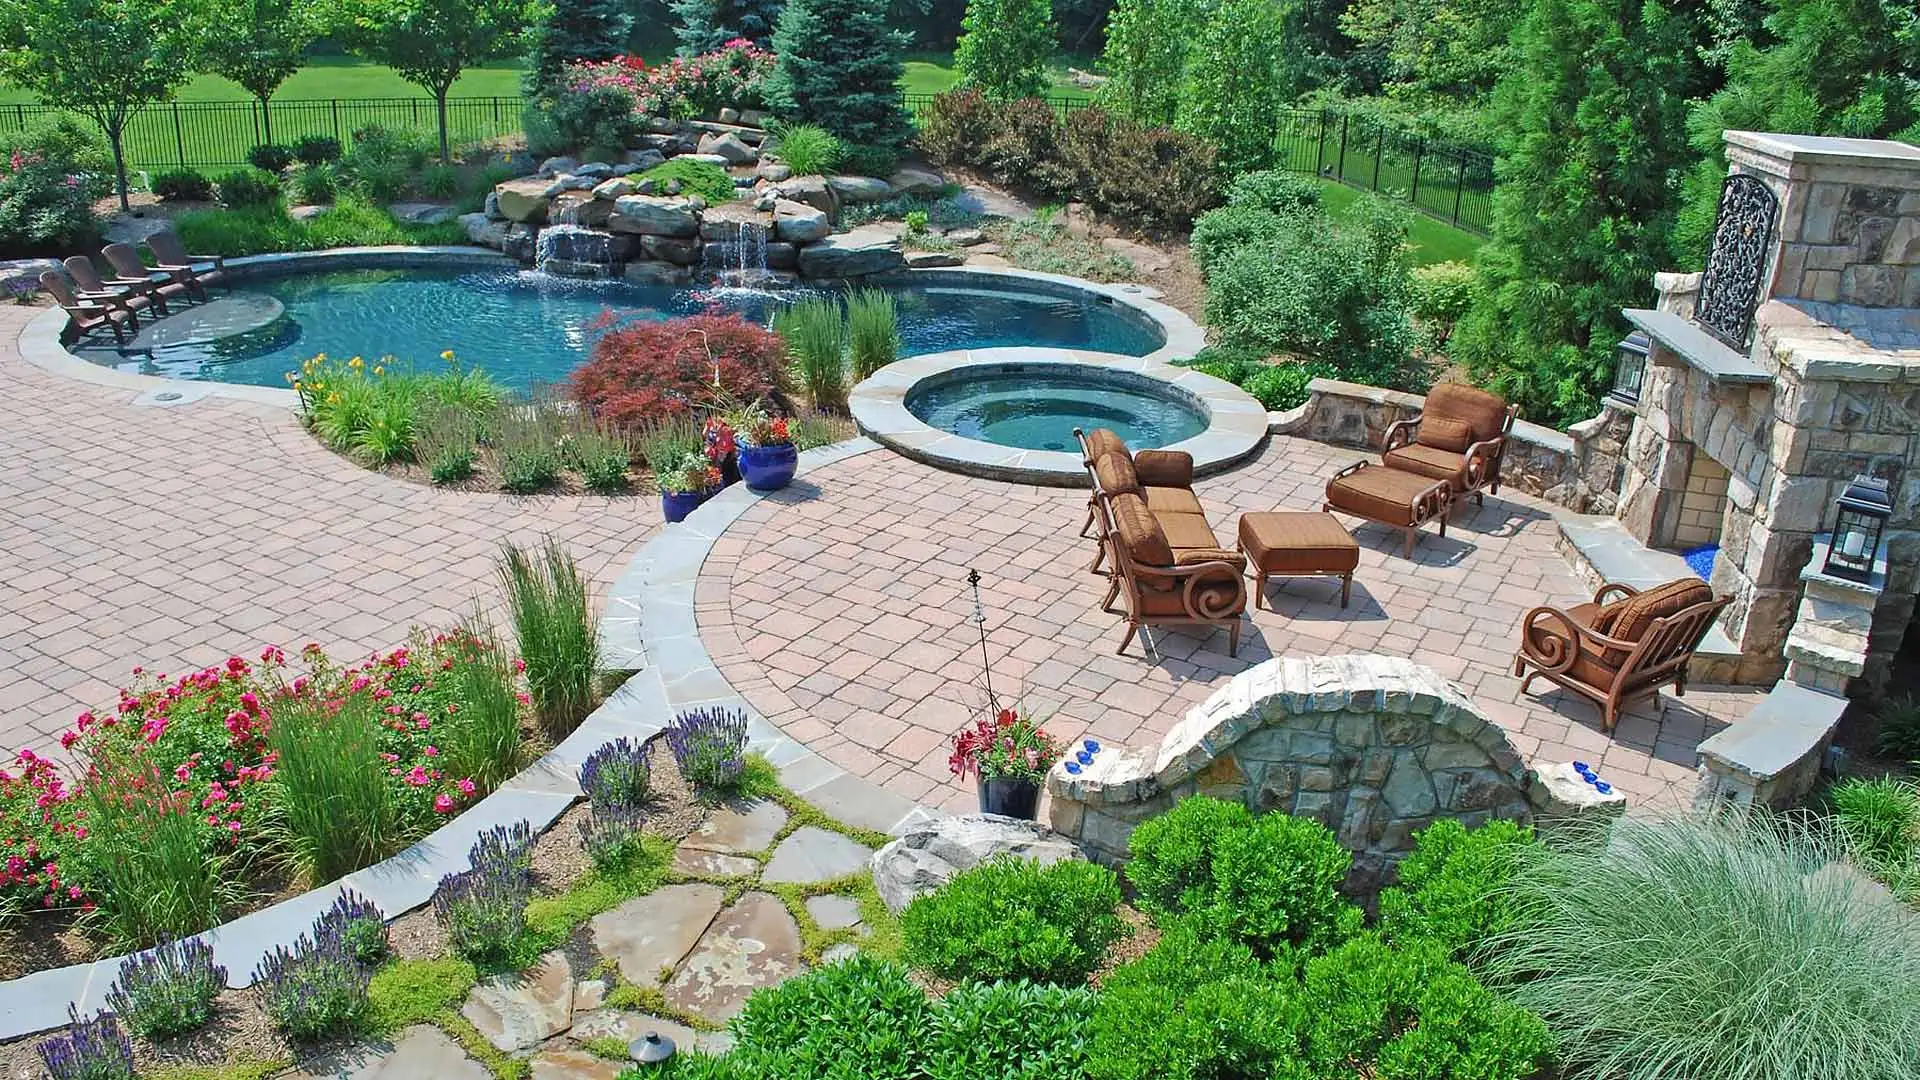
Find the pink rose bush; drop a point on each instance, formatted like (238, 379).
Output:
(734, 75)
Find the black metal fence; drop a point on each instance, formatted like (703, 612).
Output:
(1442, 180)
(218, 134)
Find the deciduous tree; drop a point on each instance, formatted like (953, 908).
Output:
(258, 44)
(1005, 47)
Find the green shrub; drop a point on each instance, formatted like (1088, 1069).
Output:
(316, 149)
(315, 183)
(957, 126)
(337, 806)
(1010, 1031)
(402, 146)
(1275, 191)
(861, 1018)
(1709, 946)
(554, 622)
(1899, 730)
(1172, 863)
(181, 185)
(380, 181)
(247, 187)
(527, 449)
(602, 453)
(438, 181)
(595, 120)
(1442, 295)
(816, 338)
(809, 150)
(1450, 889)
(869, 159)
(1283, 385)
(1276, 885)
(873, 330)
(1222, 232)
(1005, 46)
(270, 158)
(1011, 919)
(710, 182)
(1880, 820)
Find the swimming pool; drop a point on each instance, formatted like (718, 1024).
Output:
(527, 329)
(1038, 409)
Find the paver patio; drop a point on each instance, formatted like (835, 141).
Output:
(844, 618)
(171, 536)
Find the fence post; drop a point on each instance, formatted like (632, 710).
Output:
(179, 137)
(1320, 145)
(1340, 170)
(1459, 187)
(335, 110)
(1379, 151)
(1419, 151)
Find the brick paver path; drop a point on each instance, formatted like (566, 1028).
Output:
(172, 536)
(845, 619)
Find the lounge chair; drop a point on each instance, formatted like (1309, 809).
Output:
(89, 315)
(1460, 436)
(137, 295)
(201, 271)
(1166, 562)
(1618, 648)
(127, 269)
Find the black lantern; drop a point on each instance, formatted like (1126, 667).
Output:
(1859, 515)
(1629, 366)
(652, 1049)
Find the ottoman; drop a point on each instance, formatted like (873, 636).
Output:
(1297, 545)
(1396, 499)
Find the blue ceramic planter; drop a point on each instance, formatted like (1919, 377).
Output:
(678, 504)
(768, 468)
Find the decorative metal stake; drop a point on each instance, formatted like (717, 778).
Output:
(980, 620)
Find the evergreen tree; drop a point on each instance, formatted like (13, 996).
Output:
(839, 68)
(703, 26)
(1594, 108)
(1234, 82)
(576, 30)
(1452, 50)
(1005, 48)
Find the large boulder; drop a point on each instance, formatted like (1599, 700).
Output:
(799, 223)
(928, 855)
(708, 159)
(851, 254)
(648, 215)
(734, 221)
(616, 187)
(484, 230)
(859, 189)
(557, 166)
(681, 251)
(729, 147)
(524, 200)
(912, 181)
(597, 170)
(657, 273)
(813, 191)
(579, 208)
(645, 158)
(927, 260)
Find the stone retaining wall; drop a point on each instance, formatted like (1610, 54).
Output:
(1375, 747)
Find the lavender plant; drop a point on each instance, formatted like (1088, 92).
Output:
(609, 834)
(504, 846)
(94, 1049)
(314, 989)
(167, 990)
(710, 746)
(484, 909)
(359, 924)
(618, 774)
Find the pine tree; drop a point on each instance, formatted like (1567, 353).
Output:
(1005, 48)
(703, 26)
(839, 68)
(1594, 108)
(576, 30)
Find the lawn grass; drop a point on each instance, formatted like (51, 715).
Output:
(1433, 241)
(335, 77)
(932, 73)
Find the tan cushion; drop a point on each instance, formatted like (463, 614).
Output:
(1445, 433)
(1310, 543)
(1483, 412)
(1196, 556)
(1382, 494)
(1139, 531)
(1637, 613)
(1164, 468)
(1588, 666)
(1173, 500)
(1104, 441)
(1116, 474)
(1428, 461)
(1187, 530)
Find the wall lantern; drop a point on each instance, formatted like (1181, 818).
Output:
(1629, 367)
(1859, 516)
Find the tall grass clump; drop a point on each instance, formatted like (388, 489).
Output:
(1723, 946)
(337, 810)
(160, 874)
(557, 629)
(528, 447)
(810, 150)
(816, 338)
(482, 740)
(1899, 732)
(446, 442)
(667, 440)
(873, 330)
(1880, 821)
(602, 453)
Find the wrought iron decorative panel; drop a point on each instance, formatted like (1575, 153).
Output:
(1737, 262)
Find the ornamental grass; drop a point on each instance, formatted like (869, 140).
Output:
(873, 330)
(558, 631)
(340, 813)
(816, 338)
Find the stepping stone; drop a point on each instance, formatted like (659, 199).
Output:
(833, 912)
(655, 931)
(712, 863)
(588, 994)
(517, 1011)
(628, 1026)
(812, 854)
(739, 829)
(575, 1065)
(753, 944)
(422, 1050)
(845, 950)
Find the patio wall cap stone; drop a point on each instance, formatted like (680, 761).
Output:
(657, 591)
(1524, 431)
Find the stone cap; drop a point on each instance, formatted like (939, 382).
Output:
(1827, 150)
(1788, 724)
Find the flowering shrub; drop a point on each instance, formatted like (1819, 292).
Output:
(359, 923)
(94, 1049)
(717, 439)
(691, 473)
(617, 774)
(610, 834)
(314, 989)
(710, 746)
(1003, 746)
(168, 990)
(685, 86)
(43, 205)
(484, 908)
(651, 370)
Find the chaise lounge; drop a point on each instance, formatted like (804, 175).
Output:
(1616, 649)
(1164, 559)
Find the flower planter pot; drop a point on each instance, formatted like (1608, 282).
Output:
(730, 470)
(1012, 798)
(678, 504)
(768, 468)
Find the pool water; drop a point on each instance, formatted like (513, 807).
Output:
(528, 329)
(1034, 411)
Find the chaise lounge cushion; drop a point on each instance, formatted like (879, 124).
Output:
(1428, 461)
(1116, 474)
(1173, 500)
(1635, 615)
(1185, 531)
(1482, 412)
(1445, 433)
(1164, 468)
(1103, 441)
(1140, 532)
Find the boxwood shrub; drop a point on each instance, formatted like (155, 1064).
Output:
(1009, 918)
(1451, 888)
(859, 1018)
(1010, 1031)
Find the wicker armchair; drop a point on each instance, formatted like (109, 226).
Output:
(1460, 436)
(1618, 648)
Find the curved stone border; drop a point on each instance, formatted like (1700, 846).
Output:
(43, 342)
(1181, 336)
(649, 625)
(1236, 428)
